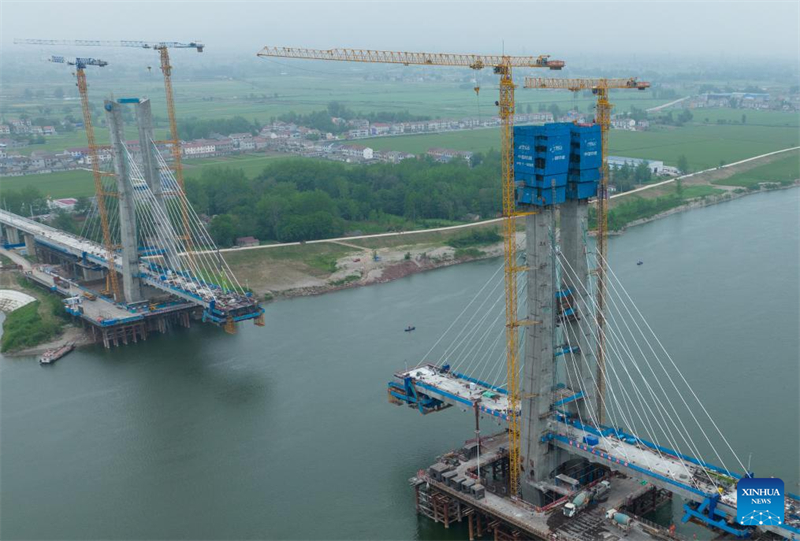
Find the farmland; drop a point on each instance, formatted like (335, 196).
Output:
(703, 145)
(79, 182)
(784, 170)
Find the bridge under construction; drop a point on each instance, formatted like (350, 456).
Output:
(171, 271)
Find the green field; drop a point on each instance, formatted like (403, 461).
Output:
(267, 92)
(56, 185)
(784, 170)
(80, 183)
(704, 146)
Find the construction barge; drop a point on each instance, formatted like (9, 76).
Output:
(470, 485)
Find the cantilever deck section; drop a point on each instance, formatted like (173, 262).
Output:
(219, 305)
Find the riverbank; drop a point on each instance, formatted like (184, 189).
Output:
(276, 275)
(32, 329)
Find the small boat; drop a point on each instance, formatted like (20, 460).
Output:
(640, 263)
(52, 355)
(410, 328)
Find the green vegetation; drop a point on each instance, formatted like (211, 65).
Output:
(346, 280)
(476, 237)
(319, 258)
(693, 192)
(703, 146)
(297, 200)
(34, 323)
(468, 253)
(24, 328)
(784, 171)
(193, 128)
(322, 119)
(637, 208)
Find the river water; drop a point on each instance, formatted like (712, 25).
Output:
(285, 431)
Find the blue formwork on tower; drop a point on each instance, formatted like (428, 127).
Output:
(542, 150)
(585, 161)
(585, 143)
(540, 197)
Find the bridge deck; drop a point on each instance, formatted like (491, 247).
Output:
(219, 304)
(430, 388)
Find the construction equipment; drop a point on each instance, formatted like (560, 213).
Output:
(600, 88)
(599, 493)
(502, 65)
(100, 193)
(166, 68)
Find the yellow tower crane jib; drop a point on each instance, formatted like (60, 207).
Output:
(599, 88)
(503, 66)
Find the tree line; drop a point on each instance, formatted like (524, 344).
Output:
(298, 200)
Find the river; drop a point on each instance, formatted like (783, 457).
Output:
(285, 431)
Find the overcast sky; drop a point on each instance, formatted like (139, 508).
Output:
(712, 30)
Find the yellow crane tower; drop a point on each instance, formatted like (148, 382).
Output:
(502, 65)
(600, 88)
(166, 68)
(80, 65)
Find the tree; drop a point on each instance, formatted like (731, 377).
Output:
(679, 188)
(683, 164)
(223, 230)
(642, 173)
(744, 119)
(555, 110)
(83, 205)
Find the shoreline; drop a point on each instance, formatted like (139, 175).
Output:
(403, 269)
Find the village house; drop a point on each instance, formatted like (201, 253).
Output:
(200, 148)
(447, 154)
(358, 151)
(379, 128)
(242, 242)
(358, 133)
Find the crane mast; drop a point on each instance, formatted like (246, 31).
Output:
(100, 192)
(502, 66)
(600, 88)
(166, 69)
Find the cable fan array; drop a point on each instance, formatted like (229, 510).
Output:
(646, 393)
(172, 240)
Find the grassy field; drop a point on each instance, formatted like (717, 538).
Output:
(34, 323)
(784, 170)
(268, 92)
(56, 185)
(704, 146)
(80, 183)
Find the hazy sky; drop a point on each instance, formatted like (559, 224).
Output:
(712, 30)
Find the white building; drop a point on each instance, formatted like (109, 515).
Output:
(656, 167)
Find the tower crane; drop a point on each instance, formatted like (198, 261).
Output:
(80, 66)
(600, 88)
(163, 48)
(502, 65)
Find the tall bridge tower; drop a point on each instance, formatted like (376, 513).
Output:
(131, 283)
(556, 168)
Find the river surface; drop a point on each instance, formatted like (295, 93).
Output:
(285, 431)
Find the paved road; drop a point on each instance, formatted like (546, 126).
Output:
(658, 108)
(495, 220)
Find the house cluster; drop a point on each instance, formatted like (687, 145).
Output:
(622, 122)
(746, 100)
(275, 137)
(24, 127)
(362, 128)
